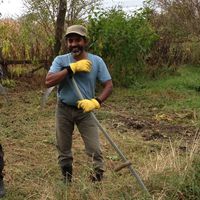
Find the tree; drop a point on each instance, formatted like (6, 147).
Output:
(182, 16)
(60, 22)
(177, 24)
(53, 15)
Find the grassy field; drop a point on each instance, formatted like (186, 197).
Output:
(156, 125)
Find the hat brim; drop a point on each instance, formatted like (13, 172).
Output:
(75, 32)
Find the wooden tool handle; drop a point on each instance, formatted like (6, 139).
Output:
(123, 165)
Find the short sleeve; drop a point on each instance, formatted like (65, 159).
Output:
(56, 65)
(103, 73)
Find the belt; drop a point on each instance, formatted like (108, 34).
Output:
(65, 104)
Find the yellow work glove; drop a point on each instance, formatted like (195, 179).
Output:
(81, 66)
(88, 105)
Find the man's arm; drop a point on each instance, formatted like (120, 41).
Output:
(90, 104)
(107, 90)
(53, 79)
(83, 65)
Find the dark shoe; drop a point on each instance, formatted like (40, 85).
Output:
(67, 174)
(2, 189)
(97, 176)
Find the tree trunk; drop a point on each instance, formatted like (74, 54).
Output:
(60, 22)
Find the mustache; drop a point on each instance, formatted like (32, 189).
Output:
(76, 48)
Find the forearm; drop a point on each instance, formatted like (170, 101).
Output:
(53, 79)
(107, 90)
(90, 104)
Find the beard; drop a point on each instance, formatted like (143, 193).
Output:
(76, 50)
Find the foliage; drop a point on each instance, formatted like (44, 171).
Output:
(152, 41)
(46, 14)
(9, 30)
(18, 71)
(123, 41)
(9, 83)
(36, 35)
(37, 39)
(18, 41)
(46, 10)
(32, 36)
(176, 22)
(180, 17)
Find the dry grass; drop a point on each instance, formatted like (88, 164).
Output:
(32, 172)
(173, 158)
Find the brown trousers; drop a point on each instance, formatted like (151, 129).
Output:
(66, 118)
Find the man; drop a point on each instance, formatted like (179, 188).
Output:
(86, 68)
(2, 190)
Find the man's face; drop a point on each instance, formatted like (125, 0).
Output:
(76, 44)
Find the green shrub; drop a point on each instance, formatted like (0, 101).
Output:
(123, 41)
(8, 83)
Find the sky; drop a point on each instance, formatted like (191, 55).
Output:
(13, 8)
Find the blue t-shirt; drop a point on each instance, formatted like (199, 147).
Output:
(86, 81)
